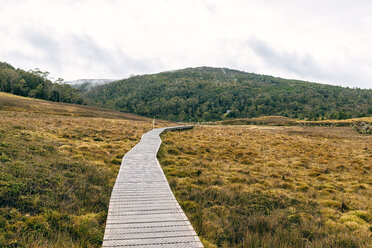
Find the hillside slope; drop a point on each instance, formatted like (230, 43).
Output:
(58, 164)
(209, 94)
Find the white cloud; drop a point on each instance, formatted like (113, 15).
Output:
(319, 40)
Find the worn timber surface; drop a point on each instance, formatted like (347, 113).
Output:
(143, 211)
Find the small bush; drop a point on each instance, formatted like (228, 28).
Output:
(173, 151)
(167, 162)
(4, 158)
(363, 127)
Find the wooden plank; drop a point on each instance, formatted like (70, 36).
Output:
(143, 211)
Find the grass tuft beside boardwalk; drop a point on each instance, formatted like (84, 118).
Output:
(58, 164)
(268, 186)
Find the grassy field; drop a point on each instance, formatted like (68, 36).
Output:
(241, 186)
(285, 121)
(58, 164)
(269, 186)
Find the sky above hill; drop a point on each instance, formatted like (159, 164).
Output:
(327, 41)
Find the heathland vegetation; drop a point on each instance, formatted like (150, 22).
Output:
(363, 125)
(58, 164)
(210, 94)
(289, 183)
(273, 186)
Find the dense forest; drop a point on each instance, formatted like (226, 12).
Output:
(209, 94)
(36, 84)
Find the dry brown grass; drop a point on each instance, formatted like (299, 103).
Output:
(13, 105)
(266, 186)
(284, 121)
(58, 164)
(267, 120)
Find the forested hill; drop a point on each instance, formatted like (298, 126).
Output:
(36, 84)
(208, 94)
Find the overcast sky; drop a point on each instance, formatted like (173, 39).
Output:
(327, 41)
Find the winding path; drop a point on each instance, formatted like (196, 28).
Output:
(143, 211)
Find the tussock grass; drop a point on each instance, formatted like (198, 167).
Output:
(58, 164)
(285, 121)
(266, 186)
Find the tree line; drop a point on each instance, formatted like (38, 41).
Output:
(36, 84)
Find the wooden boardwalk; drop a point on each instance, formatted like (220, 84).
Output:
(143, 211)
